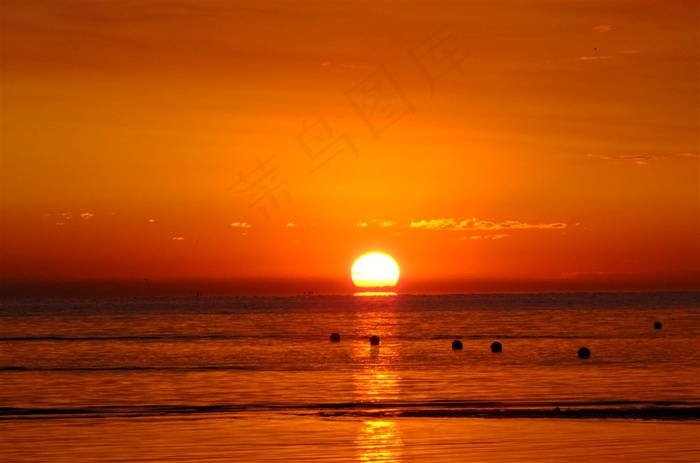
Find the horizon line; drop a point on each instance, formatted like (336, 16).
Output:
(300, 286)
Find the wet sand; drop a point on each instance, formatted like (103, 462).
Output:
(299, 438)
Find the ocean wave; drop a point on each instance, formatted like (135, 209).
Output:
(135, 338)
(517, 336)
(675, 411)
(216, 337)
(134, 368)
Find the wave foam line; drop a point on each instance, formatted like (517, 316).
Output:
(575, 410)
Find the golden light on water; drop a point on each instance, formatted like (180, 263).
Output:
(375, 293)
(377, 386)
(378, 440)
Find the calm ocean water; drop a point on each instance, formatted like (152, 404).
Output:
(257, 379)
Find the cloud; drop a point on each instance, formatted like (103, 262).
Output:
(151, 221)
(290, 225)
(62, 217)
(475, 224)
(376, 223)
(512, 224)
(240, 225)
(603, 28)
(87, 215)
(636, 159)
(643, 159)
(436, 224)
(485, 237)
(178, 238)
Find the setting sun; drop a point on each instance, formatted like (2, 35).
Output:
(375, 270)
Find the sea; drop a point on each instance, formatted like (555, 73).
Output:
(257, 379)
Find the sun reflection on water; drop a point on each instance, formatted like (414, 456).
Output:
(377, 381)
(377, 387)
(379, 441)
(375, 293)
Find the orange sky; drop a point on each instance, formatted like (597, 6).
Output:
(501, 146)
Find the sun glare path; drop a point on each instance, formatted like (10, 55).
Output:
(375, 293)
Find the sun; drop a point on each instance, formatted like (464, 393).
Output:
(375, 270)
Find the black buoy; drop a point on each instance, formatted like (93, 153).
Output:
(657, 325)
(374, 340)
(335, 337)
(584, 353)
(456, 344)
(496, 347)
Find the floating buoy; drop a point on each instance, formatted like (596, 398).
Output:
(456, 344)
(584, 353)
(496, 346)
(335, 337)
(657, 325)
(374, 340)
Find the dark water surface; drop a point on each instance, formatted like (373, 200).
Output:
(257, 379)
